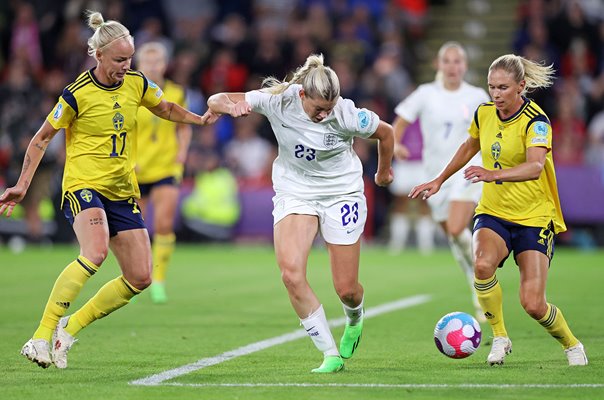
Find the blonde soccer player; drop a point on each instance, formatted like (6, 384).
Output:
(519, 210)
(161, 152)
(444, 109)
(318, 182)
(98, 112)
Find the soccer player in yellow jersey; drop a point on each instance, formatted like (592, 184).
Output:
(519, 209)
(98, 113)
(161, 151)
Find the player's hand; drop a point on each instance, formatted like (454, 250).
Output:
(478, 174)
(240, 109)
(209, 118)
(425, 189)
(384, 178)
(10, 198)
(401, 152)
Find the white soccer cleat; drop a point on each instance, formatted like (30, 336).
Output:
(501, 347)
(61, 343)
(37, 351)
(576, 355)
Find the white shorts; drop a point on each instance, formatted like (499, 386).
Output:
(407, 175)
(341, 219)
(455, 189)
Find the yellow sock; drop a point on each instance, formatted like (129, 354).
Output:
(64, 292)
(113, 295)
(490, 297)
(553, 321)
(163, 247)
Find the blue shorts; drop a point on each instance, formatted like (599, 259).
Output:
(146, 188)
(518, 238)
(122, 215)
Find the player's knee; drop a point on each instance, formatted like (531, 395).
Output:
(455, 230)
(534, 306)
(483, 268)
(96, 253)
(292, 278)
(140, 281)
(347, 293)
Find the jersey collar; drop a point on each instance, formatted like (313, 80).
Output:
(517, 113)
(98, 84)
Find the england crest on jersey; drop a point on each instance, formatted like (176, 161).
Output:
(330, 140)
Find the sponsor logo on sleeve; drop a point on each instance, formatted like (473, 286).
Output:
(58, 112)
(540, 128)
(539, 140)
(363, 119)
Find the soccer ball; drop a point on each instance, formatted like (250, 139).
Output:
(457, 335)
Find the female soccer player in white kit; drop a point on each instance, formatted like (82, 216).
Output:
(445, 108)
(318, 183)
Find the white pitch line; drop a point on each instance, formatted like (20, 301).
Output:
(158, 379)
(402, 385)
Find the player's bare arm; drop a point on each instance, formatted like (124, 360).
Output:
(175, 113)
(401, 152)
(527, 171)
(465, 152)
(385, 137)
(233, 104)
(33, 156)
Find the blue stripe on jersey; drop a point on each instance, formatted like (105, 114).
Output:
(145, 84)
(70, 99)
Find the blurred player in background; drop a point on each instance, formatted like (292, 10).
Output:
(519, 209)
(98, 112)
(444, 109)
(161, 152)
(318, 182)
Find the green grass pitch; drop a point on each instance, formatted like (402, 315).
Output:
(223, 298)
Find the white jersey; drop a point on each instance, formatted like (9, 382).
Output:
(316, 159)
(444, 118)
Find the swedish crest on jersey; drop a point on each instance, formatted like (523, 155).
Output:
(86, 195)
(118, 121)
(495, 150)
(330, 140)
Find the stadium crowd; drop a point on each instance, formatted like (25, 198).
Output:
(229, 46)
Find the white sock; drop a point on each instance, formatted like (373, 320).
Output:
(354, 315)
(425, 229)
(317, 328)
(461, 247)
(399, 232)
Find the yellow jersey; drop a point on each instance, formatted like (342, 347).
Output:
(99, 124)
(503, 144)
(157, 148)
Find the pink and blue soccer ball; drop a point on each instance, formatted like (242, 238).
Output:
(457, 335)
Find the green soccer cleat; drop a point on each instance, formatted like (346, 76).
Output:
(350, 339)
(330, 364)
(158, 293)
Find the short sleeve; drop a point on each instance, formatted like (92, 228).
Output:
(153, 95)
(259, 101)
(474, 129)
(539, 133)
(409, 108)
(64, 112)
(357, 121)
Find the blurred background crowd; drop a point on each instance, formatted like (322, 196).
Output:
(380, 49)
